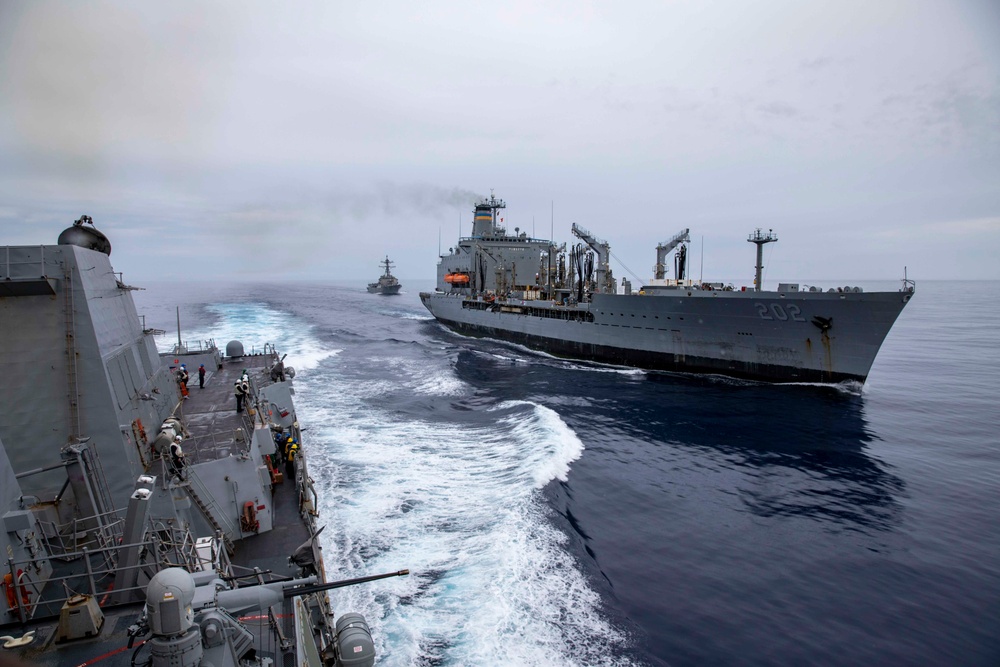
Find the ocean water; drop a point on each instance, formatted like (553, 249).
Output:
(555, 512)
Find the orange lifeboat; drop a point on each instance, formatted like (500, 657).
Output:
(457, 278)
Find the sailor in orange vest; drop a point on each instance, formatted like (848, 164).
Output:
(182, 380)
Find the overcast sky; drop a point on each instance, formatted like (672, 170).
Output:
(212, 139)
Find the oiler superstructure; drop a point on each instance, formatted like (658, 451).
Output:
(566, 301)
(140, 524)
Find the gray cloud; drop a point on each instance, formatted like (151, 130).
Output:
(817, 63)
(779, 109)
(331, 134)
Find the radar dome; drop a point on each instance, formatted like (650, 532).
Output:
(85, 237)
(168, 601)
(234, 348)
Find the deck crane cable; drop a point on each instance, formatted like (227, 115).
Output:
(767, 266)
(630, 272)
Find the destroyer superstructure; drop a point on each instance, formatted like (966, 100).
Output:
(135, 517)
(566, 301)
(387, 283)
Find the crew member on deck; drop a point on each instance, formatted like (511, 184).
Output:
(291, 449)
(279, 446)
(201, 376)
(182, 380)
(177, 457)
(240, 395)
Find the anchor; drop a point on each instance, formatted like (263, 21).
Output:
(823, 323)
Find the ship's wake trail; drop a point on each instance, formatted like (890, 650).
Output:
(462, 508)
(255, 325)
(457, 501)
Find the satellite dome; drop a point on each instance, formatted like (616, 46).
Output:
(85, 237)
(234, 348)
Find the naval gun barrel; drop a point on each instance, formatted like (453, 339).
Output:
(249, 598)
(307, 590)
(261, 596)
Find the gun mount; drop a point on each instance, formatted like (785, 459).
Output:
(195, 621)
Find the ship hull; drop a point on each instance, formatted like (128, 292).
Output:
(767, 336)
(378, 289)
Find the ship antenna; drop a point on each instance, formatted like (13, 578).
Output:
(552, 233)
(701, 278)
(179, 328)
(759, 238)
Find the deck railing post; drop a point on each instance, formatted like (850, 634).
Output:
(90, 572)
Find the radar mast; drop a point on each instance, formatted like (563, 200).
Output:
(760, 238)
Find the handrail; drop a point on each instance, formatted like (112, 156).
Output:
(26, 273)
(202, 494)
(76, 583)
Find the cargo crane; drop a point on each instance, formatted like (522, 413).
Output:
(605, 281)
(662, 249)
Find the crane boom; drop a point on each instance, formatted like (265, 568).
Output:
(605, 280)
(662, 249)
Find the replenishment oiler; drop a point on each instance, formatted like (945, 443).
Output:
(146, 522)
(566, 302)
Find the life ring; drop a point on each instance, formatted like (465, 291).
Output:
(11, 590)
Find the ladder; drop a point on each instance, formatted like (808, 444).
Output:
(71, 374)
(218, 520)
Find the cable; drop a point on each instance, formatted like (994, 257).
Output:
(135, 654)
(767, 267)
(632, 273)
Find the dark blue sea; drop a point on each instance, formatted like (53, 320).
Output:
(560, 513)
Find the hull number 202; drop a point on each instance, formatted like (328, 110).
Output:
(776, 311)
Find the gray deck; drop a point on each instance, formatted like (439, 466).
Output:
(210, 415)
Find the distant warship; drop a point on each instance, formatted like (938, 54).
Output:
(145, 522)
(387, 283)
(565, 301)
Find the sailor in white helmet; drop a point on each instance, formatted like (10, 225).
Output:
(240, 392)
(177, 457)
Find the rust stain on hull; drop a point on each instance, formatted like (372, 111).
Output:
(827, 353)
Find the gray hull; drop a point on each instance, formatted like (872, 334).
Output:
(768, 336)
(384, 289)
(115, 476)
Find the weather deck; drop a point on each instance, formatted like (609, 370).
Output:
(210, 416)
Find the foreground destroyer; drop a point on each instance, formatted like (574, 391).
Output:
(145, 521)
(565, 301)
